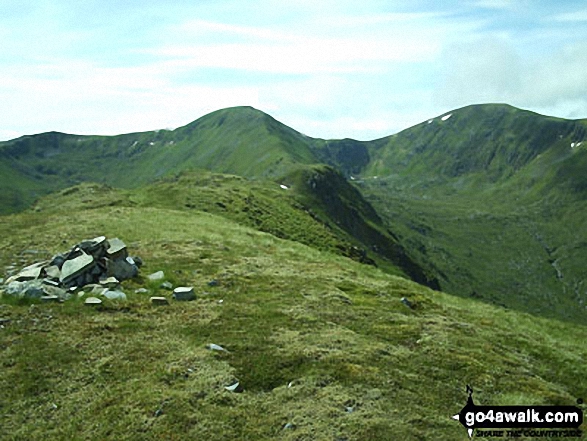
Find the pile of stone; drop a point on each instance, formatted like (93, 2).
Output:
(101, 262)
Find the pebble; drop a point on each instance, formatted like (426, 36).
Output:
(159, 275)
(236, 387)
(159, 301)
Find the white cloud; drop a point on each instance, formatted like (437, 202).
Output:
(572, 17)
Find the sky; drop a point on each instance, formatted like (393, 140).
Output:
(329, 69)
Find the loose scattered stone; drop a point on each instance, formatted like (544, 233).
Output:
(48, 299)
(236, 388)
(114, 295)
(159, 275)
(92, 301)
(215, 347)
(159, 300)
(184, 293)
(109, 282)
(167, 285)
(406, 302)
(141, 291)
(213, 282)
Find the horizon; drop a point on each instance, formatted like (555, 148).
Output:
(328, 69)
(439, 115)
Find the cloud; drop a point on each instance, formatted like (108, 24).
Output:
(572, 17)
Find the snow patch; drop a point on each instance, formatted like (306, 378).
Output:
(285, 187)
(445, 117)
(430, 121)
(572, 145)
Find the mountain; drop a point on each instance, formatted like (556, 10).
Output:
(239, 140)
(484, 201)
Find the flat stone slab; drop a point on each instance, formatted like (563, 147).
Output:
(31, 272)
(92, 301)
(114, 295)
(110, 282)
(53, 272)
(74, 267)
(184, 293)
(116, 247)
(49, 298)
(159, 275)
(159, 300)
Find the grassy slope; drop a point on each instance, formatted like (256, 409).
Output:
(334, 328)
(497, 217)
(239, 140)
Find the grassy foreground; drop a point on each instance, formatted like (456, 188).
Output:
(322, 346)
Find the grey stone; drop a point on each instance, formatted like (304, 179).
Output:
(92, 301)
(122, 269)
(215, 347)
(1, 280)
(30, 272)
(235, 387)
(110, 282)
(98, 290)
(53, 272)
(166, 285)
(73, 268)
(138, 261)
(213, 283)
(184, 293)
(114, 295)
(116, 249)
(58, 261)
(27, 288)
(159, 275)
(51, 290)
(49, 298)
(34, 290)
(406, 302)
(141, 291)
(159, 300)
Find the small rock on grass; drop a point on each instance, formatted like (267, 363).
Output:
(159, 275)
(235, 387)
(159, 300)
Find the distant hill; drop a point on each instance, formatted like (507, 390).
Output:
(485, 201)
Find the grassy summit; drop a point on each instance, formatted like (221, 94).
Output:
(321, 344)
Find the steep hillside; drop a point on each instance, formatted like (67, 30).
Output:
(484, 201)
(491, 200)
(323, 347)
(239, 140)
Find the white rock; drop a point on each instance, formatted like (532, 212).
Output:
(159, 275)
(114, 295)
(184, 293)
(93, 301)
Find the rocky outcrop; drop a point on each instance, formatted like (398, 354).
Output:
(101, 262)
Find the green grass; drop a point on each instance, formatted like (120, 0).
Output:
(331, 329)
